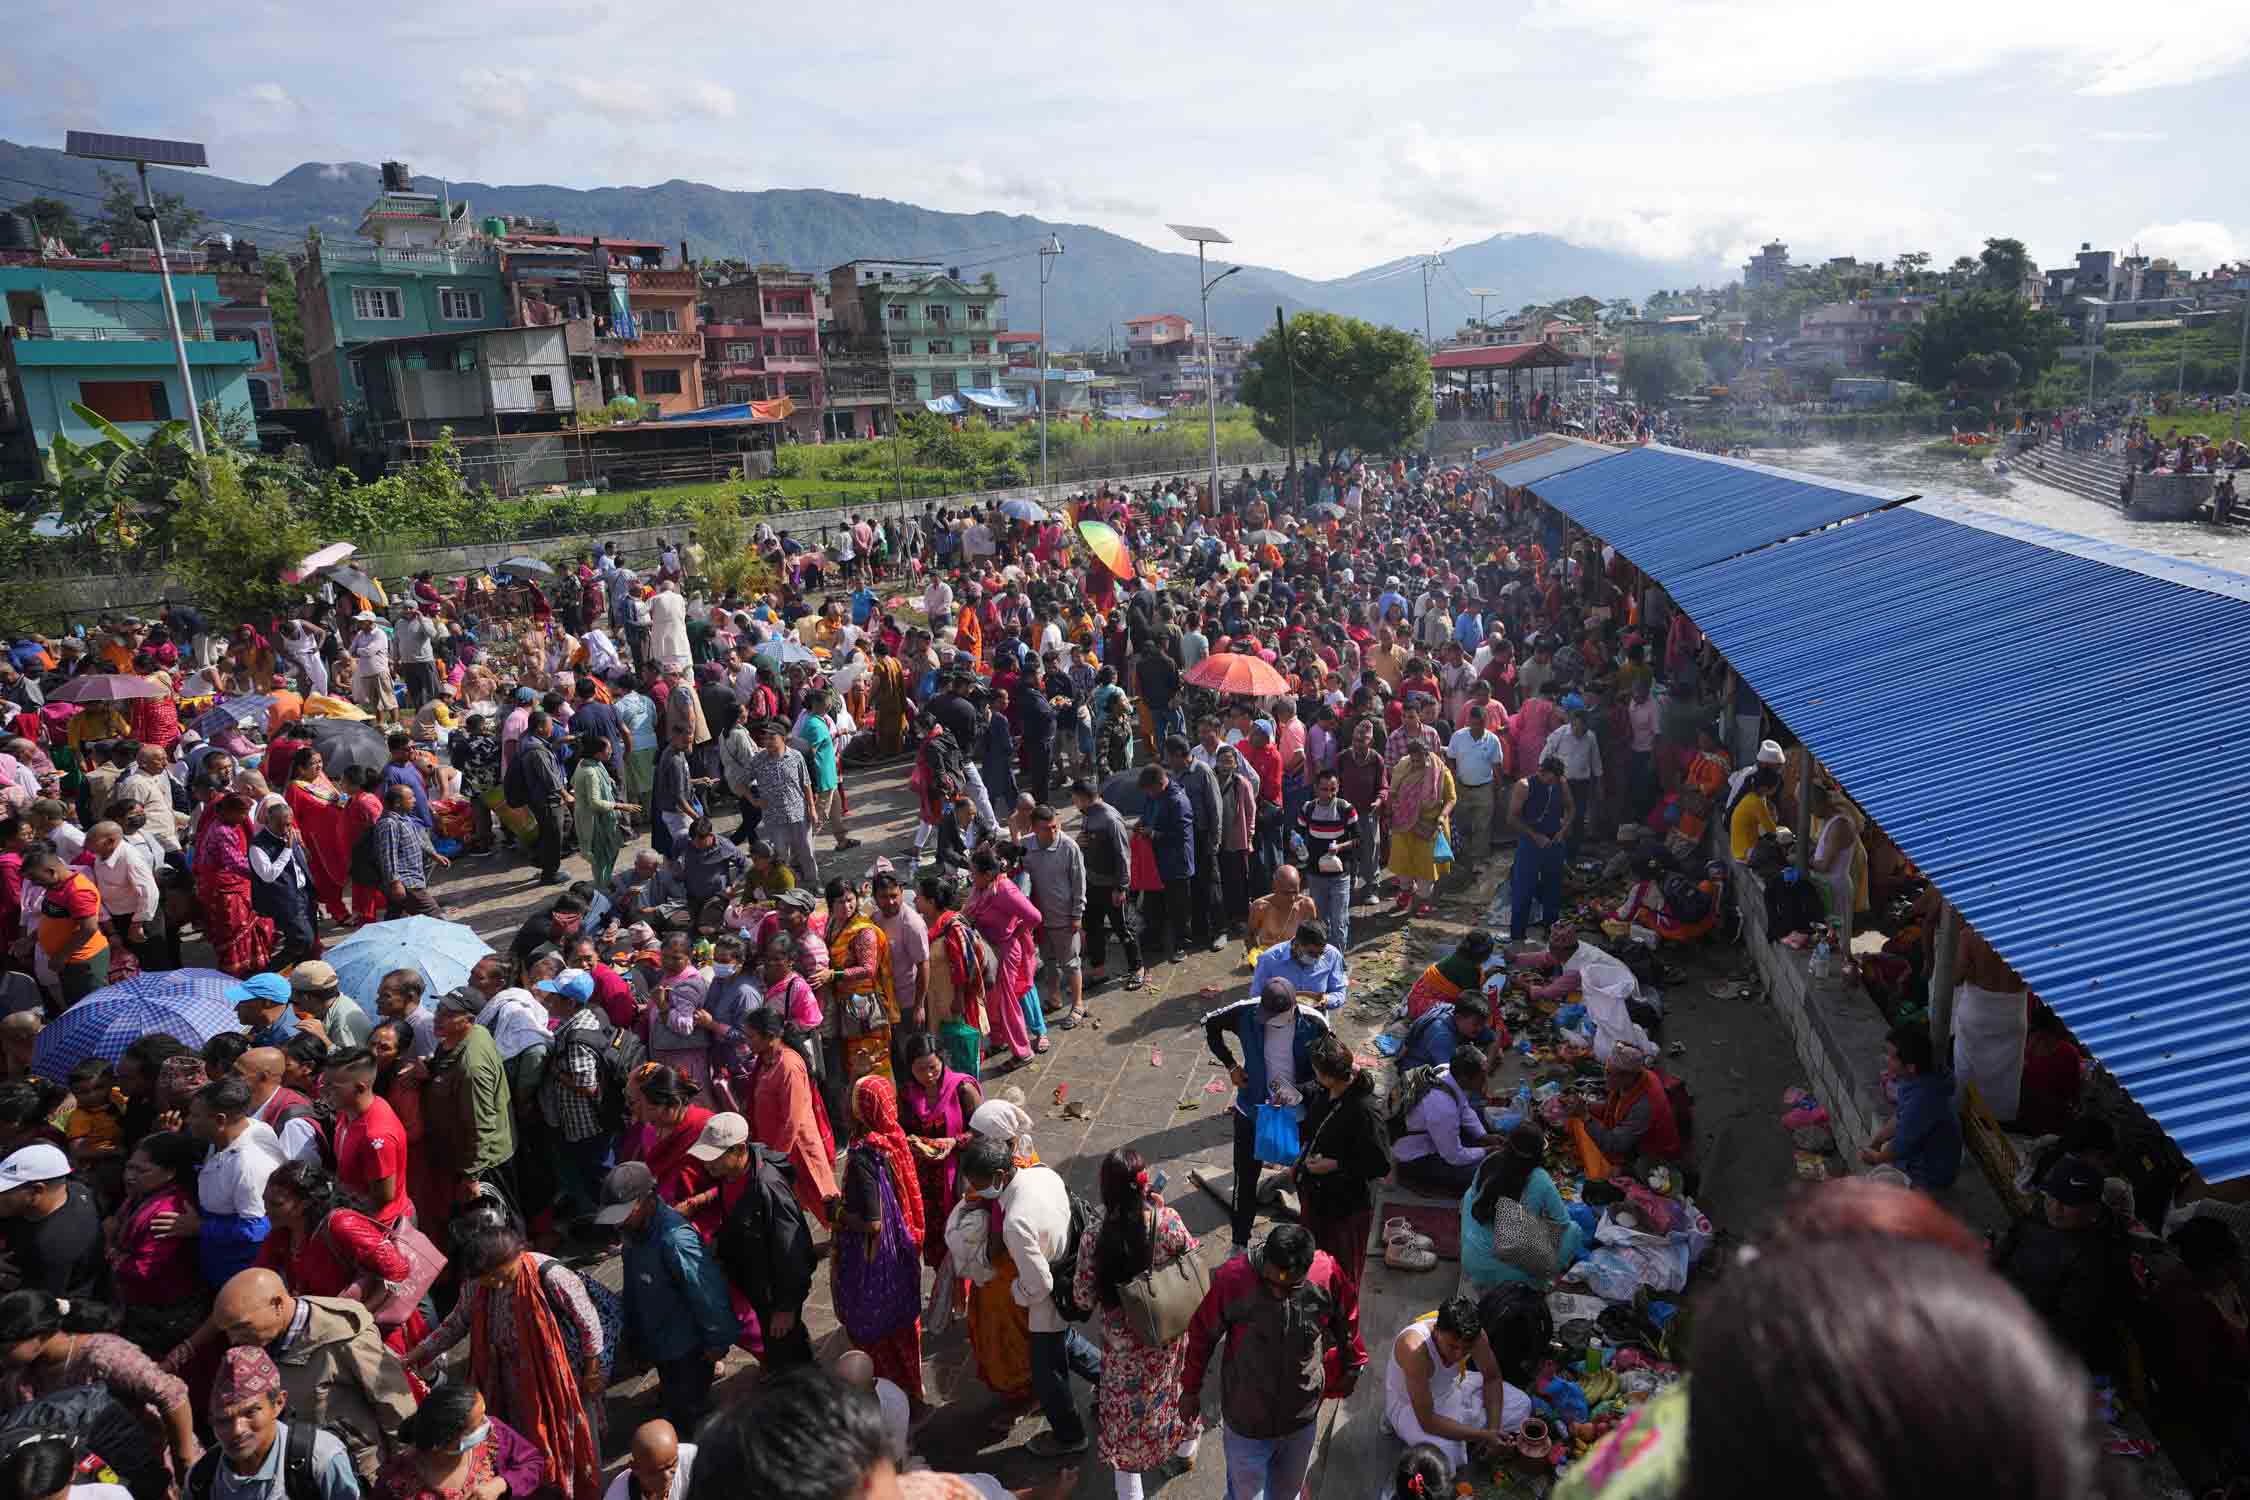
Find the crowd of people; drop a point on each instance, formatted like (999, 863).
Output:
(343, 1237)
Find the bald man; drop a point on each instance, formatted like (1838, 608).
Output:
(855, 1369)
(284, 1111)
(660, 1467)
(1275, 917)
(338, 1372)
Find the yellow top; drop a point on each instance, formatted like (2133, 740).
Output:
(1753, 817)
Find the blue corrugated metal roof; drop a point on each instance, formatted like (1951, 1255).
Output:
(2057, 731)
(1519, 464)
(1667, 509)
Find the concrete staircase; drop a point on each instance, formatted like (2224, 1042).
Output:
(2095, 476)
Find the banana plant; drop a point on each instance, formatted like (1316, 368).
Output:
(112, 488)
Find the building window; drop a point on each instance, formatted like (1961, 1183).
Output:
(460, 304)
(980, 346)
(941, 346)
(942, 383)
(902, 388)
(658, 319)
(740, 352)
(261, 398)
(902, 346)
(126, 400)
(798, 387)
(660, 382)
(937, 316)
(976, 312)
(800, 348)
(543, 392)
(984, 380)
(740, 393)
(377, 304)
(895, 312)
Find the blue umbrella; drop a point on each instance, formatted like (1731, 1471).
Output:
(228, 712)
(190, 1004)
(1022, 510)
(443, 953)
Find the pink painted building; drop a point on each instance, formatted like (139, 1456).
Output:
(761, 341)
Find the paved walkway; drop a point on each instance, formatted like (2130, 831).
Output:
(1142, 1077)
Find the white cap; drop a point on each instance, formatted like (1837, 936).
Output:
(721, 1134)
(32, 1164)
(1770, 753)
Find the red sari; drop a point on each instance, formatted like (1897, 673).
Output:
(242, 939)
(680, 1176)
(360, 813)
(323, 815)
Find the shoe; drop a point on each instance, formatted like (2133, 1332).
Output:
(1047, 1445)
(1399, 1231)
(1137, 979)
(1400, 1256)
(843, 844)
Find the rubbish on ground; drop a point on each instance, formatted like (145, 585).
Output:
(1215, 1086)
(1156, 1057)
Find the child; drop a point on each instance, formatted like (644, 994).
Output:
(96, 1132)
(1422, 1474)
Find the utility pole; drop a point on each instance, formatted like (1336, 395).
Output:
(1429, 264)
(1048, 253)
(2241, 357)
(1204, 236)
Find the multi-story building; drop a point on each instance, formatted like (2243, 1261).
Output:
(642, 335)
(417, 267)
(1854, 335)
(93, 333)
(761, 342)
(933, 335)
(498, 381)
(1768, 270)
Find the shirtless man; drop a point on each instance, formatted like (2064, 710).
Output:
(1275, 918)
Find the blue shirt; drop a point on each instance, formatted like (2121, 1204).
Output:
(1325, 975)
(674, 1294)
(396, 774)
(637, 712)
(1431, 1040)
(283, 1028)
(863, 606)
(1927, 1141)
(1170, 820)
(1468, 630)
(332, 1474)
(820, 750)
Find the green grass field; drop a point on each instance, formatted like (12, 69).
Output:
(2212, 424)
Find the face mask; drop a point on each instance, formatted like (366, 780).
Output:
(986, 1193)
(472, 1438)
(721, 971)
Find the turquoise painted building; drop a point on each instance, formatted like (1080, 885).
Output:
(94, 334)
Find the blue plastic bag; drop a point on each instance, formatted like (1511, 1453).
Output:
(1442, 850)
(1277, 1135)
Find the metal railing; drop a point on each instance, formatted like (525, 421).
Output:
(651, 343)
(447, 260)
(942, 327)
(106, 332)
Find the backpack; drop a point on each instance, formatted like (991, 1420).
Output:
(618, 1054)
(1414, 1085)
(297, 1479)
(987, 960)
(1065, 1267)
(609, 1312)
(366, 870)
(103, 1432)
(323, 1117)
(1686, 898)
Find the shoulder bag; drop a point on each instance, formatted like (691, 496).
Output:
(1159, 1303)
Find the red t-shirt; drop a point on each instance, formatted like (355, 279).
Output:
(369, 1149)
(64, 907)
(1267, 763)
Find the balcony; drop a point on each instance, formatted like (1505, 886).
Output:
(943, 327)
(651, 343)
(860, 395)
(408, 261)
(679, 279)
(190, 328)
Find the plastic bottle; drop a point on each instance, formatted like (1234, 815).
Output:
(1823, 957)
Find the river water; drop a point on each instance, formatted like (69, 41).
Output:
(1902, 466)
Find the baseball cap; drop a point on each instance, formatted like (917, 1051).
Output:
(266, 989)
(37, 1163)
(460, 1002)
(576, 983)
(622, 1190)
(721, 1134)
(312, 974)
(2071, 1182)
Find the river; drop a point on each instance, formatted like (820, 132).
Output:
(1903, 466)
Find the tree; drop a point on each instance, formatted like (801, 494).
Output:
(1722, 355)
(1979, 323)
(1775, 312)
(51, 216)
(1656, 370)
(1357, 385)
(119, 225)
(2005, 264)
(288, 326)
(1989, 376)
(233, 535)
(1581, 309)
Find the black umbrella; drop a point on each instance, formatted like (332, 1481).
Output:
(1123, 792)
(354, 581)
(346, 744)
(516, 566)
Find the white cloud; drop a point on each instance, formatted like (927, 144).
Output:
(2196, 244)
(630, 99)
(271, 98)
(2046, 179)
(501, 95)
(334, 172)
(2126, 137)
(2039, 148)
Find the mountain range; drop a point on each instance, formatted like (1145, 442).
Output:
(1102, 279)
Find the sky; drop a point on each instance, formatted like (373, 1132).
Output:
(1323, 137)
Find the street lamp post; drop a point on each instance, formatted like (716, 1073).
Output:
(2241, 358)
(140, 151)
(1206, 236)
(1048, 254)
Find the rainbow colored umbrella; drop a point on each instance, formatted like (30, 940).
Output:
(1104, 542)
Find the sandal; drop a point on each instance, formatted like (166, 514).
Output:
(1401, 1256)
(1396, 1230)
(1040, 1044)
(1138, 978)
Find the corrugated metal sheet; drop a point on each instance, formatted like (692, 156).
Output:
(1540, 458)
(1669, 510)
(2057, 731)
(1501, 357)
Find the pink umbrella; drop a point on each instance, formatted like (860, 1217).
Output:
(326, 557)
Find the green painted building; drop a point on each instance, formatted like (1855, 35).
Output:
(938, 335)
(93, 333)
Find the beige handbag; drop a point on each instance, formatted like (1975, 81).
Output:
(1160, 1302)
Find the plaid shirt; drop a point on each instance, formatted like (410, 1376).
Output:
(779, 781)
(563, 1107)
(401, 851)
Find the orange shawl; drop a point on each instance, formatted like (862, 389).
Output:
(549, 1410)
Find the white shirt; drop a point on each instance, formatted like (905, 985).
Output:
(898, 1416)
(937, 601)
(621, 1487)
(371, 651)
(1280, 1042)
(1035, 1225)
(127, 885)
(232, 1179)
(1475, 759)
(1581, 754)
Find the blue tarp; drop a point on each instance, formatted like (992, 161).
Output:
(945, 406)
(1135, 413)
(1975, 684)
(992, 400)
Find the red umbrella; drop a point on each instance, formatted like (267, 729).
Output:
(106, 687)
(1232, 672)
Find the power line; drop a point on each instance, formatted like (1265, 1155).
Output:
(49, 189)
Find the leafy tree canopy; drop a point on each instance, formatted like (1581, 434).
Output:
(1655, 370)
(119, 223)
(1356, 385)
(1977, 323)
